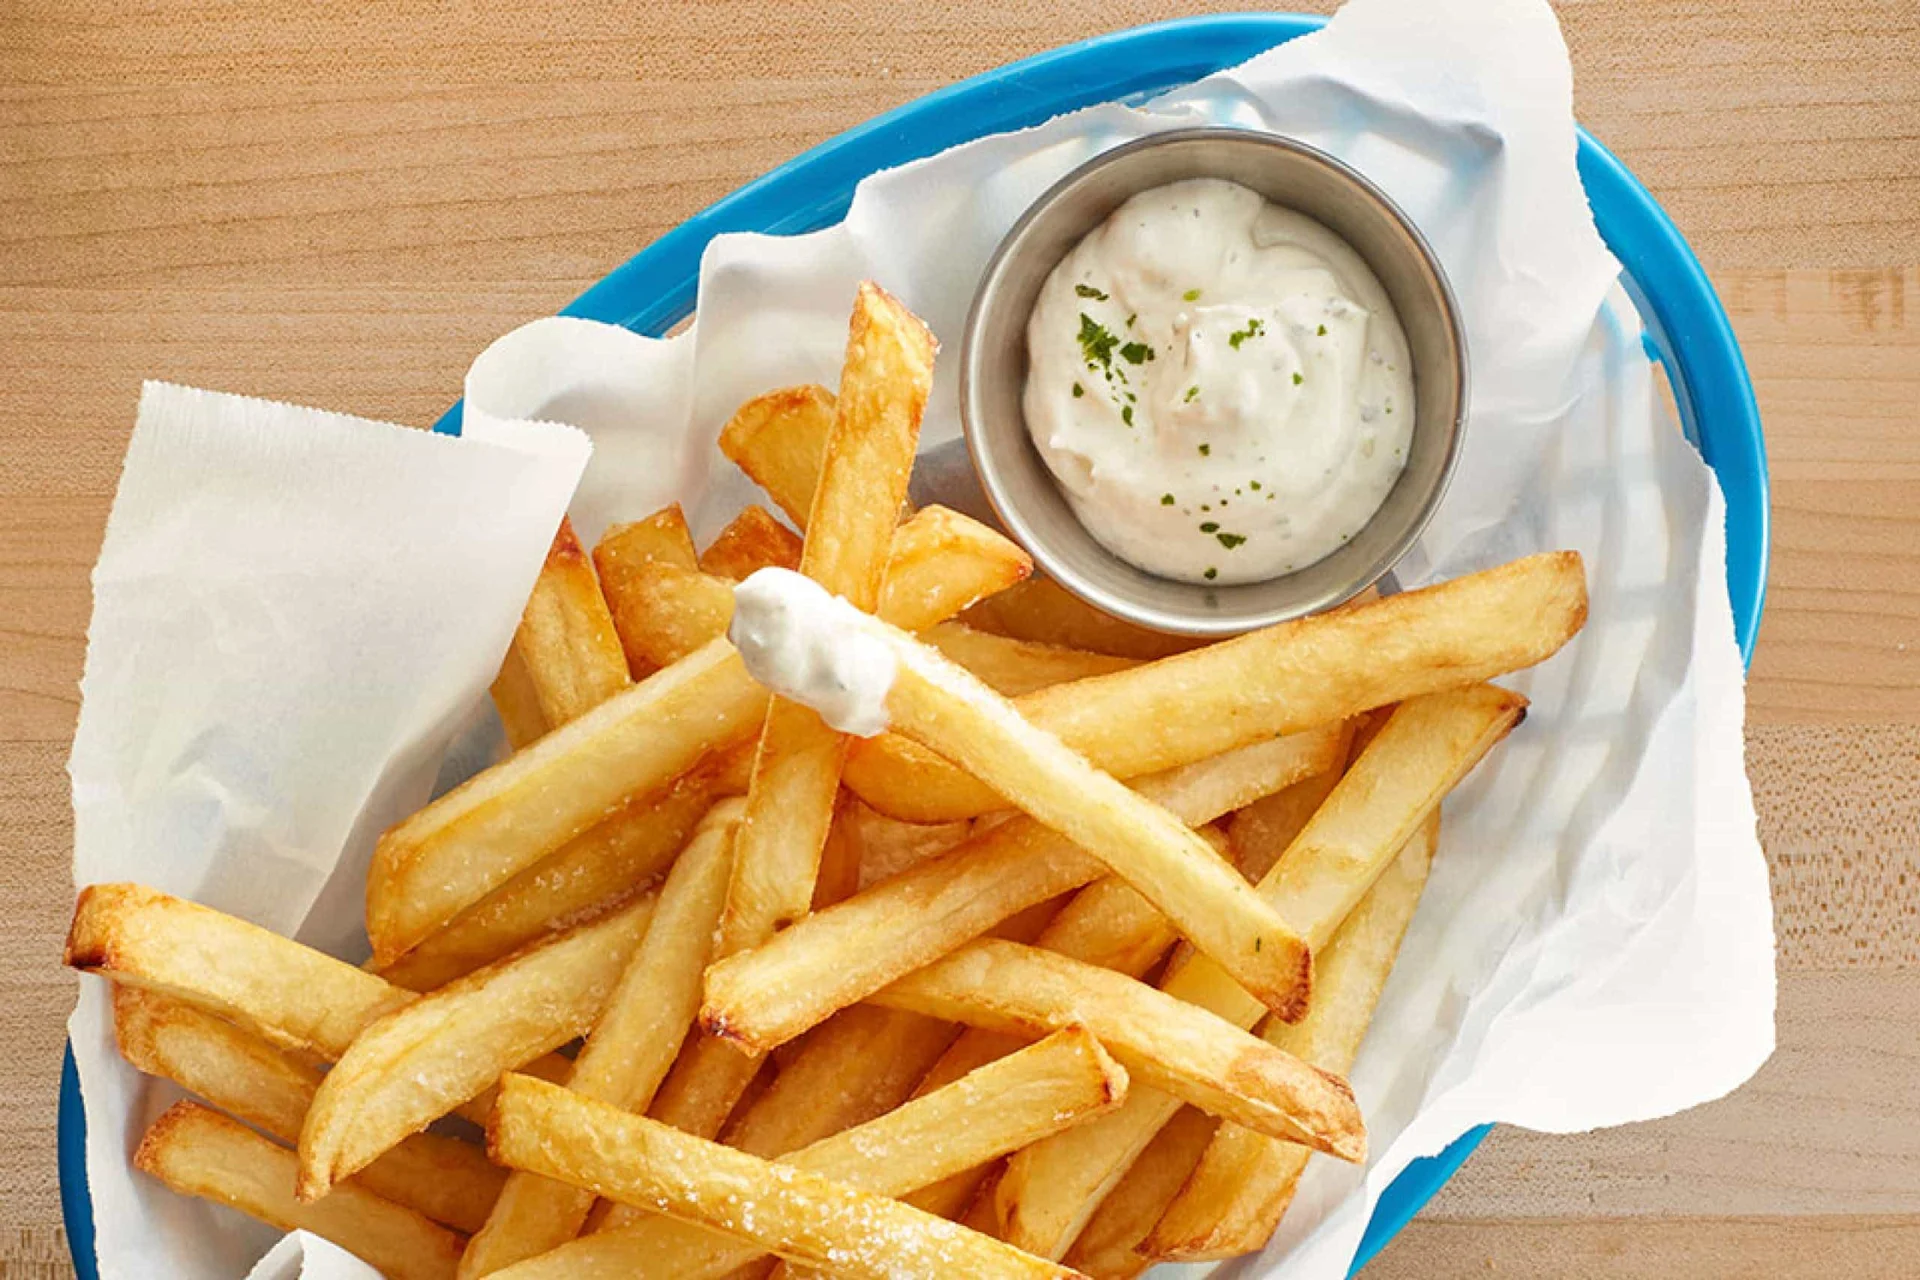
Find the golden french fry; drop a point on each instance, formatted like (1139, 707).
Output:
(1169, 1045)
(705, 1085)
(434, 865)
(1108, 1248)
(779, 440)
(881, 847)
(753, 540)
(1312, 671)
(944, 709)
(779, 1208)
(666, 611)
(1109, 925)
(589, 874)
(629, 1052)
(1013, 667)
(517, 701)
(566, 639)
(449, 1181)
(850, 529)
(419, 1062)
(622, 552)
(1041, 610)
(199, 1152)
(1242, 1185)
(844, 954)
(1261, 831)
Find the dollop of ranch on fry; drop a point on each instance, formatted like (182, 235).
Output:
(1220, 385)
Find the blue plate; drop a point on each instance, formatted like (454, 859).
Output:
(1687, 331)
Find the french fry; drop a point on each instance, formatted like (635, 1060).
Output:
(434, 865)
(753, 540)
(1109, 1246)
(863, 482)
(1012, 667)
(846, 953)
(1168, 1045)
(590, 873)
(705, 1085)
(1043, 611)
(1312, 671)
(778, 1208)
(419, 1062)
(449, 1181)
(882, 847)
(199, 1152)
(1261, 832)
(944, 709)
(517, 701)
(566, 639)
(629, 1052)
(623, 552)
(1236, 1196)
(779, 439)
(666, 611)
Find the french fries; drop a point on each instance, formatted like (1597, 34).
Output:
(754, 540)
(419, 1062)
(199, 1152)
(1243, 1183)
(1384, 800)
(778, 1208)
(883, 847)
(1109, 1247)
(1312, 671)
(846, 953)
(1013, 667)
(779, 439)
(1168, 1044)
(630, 1051)
(517, 701)
(566, 641)
(622, 552)
(240, 1073)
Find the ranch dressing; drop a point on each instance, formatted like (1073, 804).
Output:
(1220, 385)
(812, 647)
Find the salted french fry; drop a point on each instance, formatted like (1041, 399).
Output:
(517, 701)
(199, 1152)
(419, 1062)
(667, 611)
(1167, 1044)
(844, 954)
(589, 874)
(1261, 832)
(1236, 1196)
(705, 1085)
(1013, 667)
(1312, 671)
(629, 1052)
(623, 552)
(449, 1181)
(437, 863)
(778, 1208)
(944, 709)
(1109, 1246)
(1384, 801)
(566, 639)
(752, 540)
(882, 847)
(1041, 610)
(884, 386)
(779, 439)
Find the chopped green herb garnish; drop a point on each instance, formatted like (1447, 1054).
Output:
(1211, 574)
(1136, 353)
(1230, 540)
(1088, 291)
(1131, 317)
(1191, 295)
(1255, 327)
(1209, 527)
(1191, 393)
(1078, 391)
(1254, 485)
(1206, 450)
(1298, 379)
(1096, 342)
(1126, 414)
(1321, 332)
(1166, 499)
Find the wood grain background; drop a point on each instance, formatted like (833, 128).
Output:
(342, 208)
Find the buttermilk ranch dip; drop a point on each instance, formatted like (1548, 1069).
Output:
(1220, 385)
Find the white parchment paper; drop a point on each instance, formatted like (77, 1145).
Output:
(1595, 945)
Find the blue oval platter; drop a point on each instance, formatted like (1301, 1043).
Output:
(1687, 333)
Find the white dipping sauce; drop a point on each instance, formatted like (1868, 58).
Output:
(1220, 385)
(811, 647)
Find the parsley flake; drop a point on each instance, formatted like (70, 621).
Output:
(1191, 393)
(1255, 327)
(1126, 414)
(1298, 379)
(1230, 540)
(1209, 527)
(1166, 499)
(1078, 391)
(1088, 291)
(1096, 342)
(1206, 450)
(1321, 331)
(1136, 353)
(1211, 574)
(1191, 295)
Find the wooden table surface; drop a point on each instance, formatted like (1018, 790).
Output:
(342, 210)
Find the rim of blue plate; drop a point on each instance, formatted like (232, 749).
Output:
(1687, 332)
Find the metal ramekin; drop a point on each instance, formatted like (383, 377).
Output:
(993, 371)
